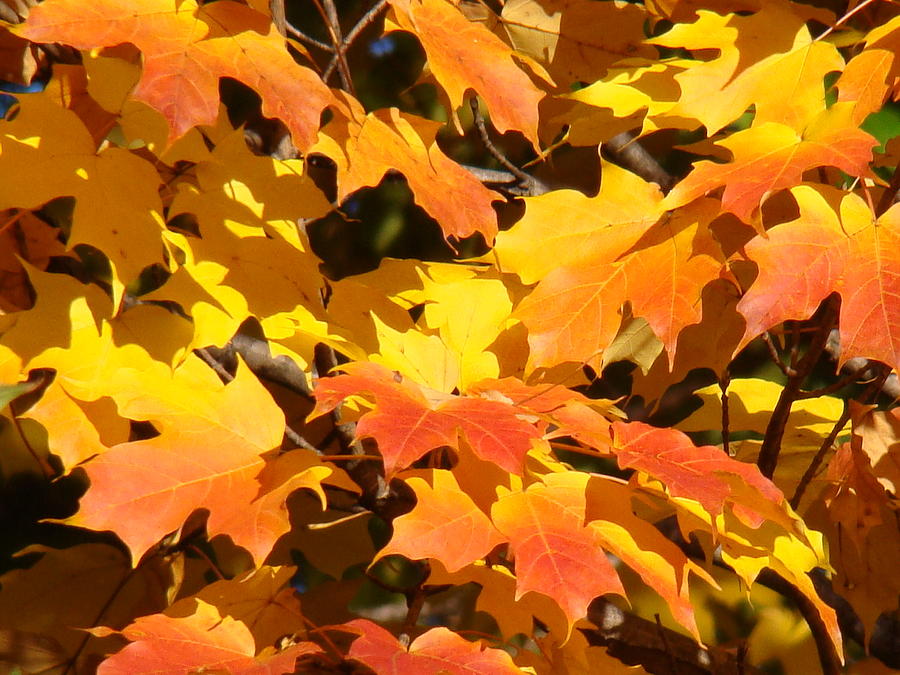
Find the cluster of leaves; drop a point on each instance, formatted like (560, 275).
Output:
(240, 464)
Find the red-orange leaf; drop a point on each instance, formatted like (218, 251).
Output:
(208, 455)
(204, 640)
(407, 424)
(803, 261)
(435, 652)
(772, 157)
(186, 49)
(703, 473)
(556, 553)
(365, 147)
(445, 524)
(465, 55)
(575, 312)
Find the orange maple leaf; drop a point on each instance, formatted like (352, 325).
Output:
(772, 156)
(803, 261)
(407, 425)
(186, 48)
(438, 650)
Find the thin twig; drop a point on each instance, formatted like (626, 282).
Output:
(329, 15)
(813, 467)
(871, 391)
(890, 194)
(773, 354)
(209, 561)
(208, 359)
(478, 118)
(723, 387)
(360, 26)
(771, 446)
(848, 378)
(308, 39)
(844, 19)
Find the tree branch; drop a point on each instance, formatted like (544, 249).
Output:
(627, 151)
(771, 446)
(360, 26)
(637, 641)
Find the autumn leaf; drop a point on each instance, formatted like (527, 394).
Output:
(704, 473)
(204, 639)
(445, 524)
(406, 424)
(575, 313)
(556, 552)
(464, 55)
(575, 39)
(208, 455)
(771, 156)
(767, 59)
(186, 48)
(438, 650)
(835, 245)
(111, 188)
(365, 147)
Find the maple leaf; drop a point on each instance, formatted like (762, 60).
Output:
(771, 156)
(768, 60)
(406, 424)
(22, 235)
(575, 312)
(438, 650)
(445, 524)
(553, 546)
(186, 48)
(117, 205)
(703, 473)
(203, 640)
(852, 253)
(61, 594)
(865, 82)
(261, 599)
(576, 40)
(855, 500)
(463, 55)
(365, 147)
(208, 455)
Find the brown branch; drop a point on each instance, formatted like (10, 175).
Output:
(771, 446)
(348, 40)
(524, 179)
(637, 641)
(308, 39)
(329, 15)
(627, 151)
(276, 7)
(828, 656)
